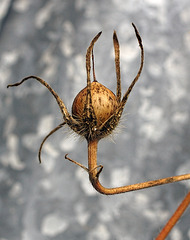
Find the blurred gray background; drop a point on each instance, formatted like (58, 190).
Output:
(55, 200)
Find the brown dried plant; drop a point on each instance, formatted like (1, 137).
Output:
(96, 112)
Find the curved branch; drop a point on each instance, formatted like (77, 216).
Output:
(93, 175)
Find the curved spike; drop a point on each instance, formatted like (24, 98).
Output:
(88, 109)
(117, 65)
(49, 134)
(93, 67)
(67, 117)
(88, 56)
(125, 97)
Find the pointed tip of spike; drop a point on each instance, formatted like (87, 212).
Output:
(137, 35)
(96, 37)
(135, 27)
(115, 39)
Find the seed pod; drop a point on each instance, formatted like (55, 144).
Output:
(104, 103)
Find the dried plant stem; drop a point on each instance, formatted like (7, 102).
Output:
(173, 220)
(94, 175)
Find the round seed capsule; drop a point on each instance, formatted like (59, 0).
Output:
(104, 102)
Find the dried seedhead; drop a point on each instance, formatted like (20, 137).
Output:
(96, 112)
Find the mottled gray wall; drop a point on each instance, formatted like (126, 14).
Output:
(55, 200)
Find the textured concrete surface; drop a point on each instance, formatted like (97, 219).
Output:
(55, 200)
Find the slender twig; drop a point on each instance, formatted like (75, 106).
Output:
(175, 217)
(75, 162)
